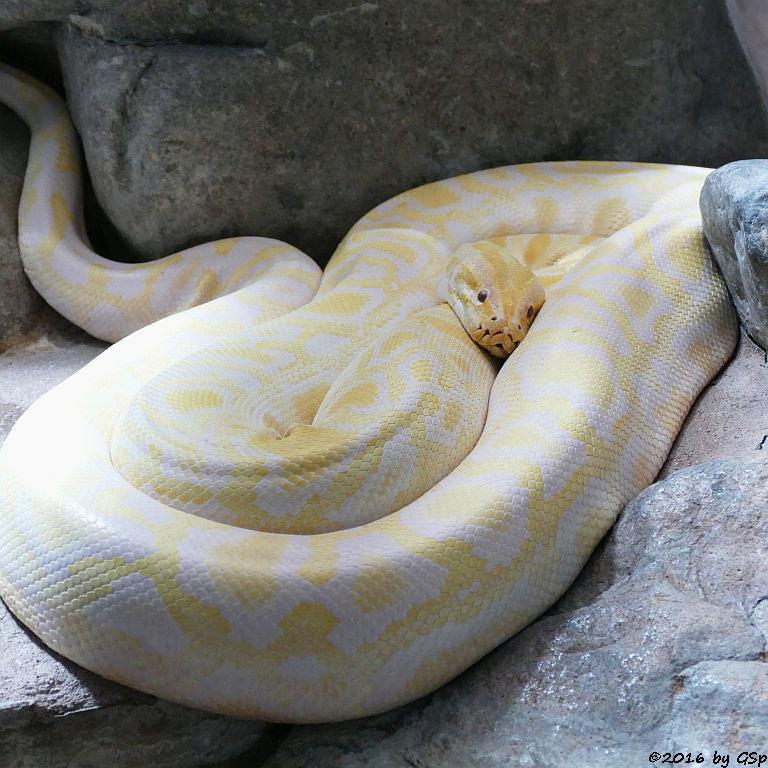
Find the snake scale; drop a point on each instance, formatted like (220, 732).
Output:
(315, 499)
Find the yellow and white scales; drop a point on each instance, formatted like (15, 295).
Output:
(315, 497)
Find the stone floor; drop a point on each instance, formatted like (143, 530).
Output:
(730, 416)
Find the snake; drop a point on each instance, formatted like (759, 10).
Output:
(307, 496)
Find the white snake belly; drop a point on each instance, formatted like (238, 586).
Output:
(346, 615)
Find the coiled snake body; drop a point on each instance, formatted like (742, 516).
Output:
(308, 503)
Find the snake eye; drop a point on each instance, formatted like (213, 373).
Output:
(530, 312)
(482, 296)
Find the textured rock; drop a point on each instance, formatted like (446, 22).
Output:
(730, 417)
(18, 300)
(734, 207)
(658, 646)
(204, 119)
(20, 306)
(751, 24)
(47, 355)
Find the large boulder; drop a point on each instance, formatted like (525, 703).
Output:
(291, 120)
(18, 301)
(734, 208)
(751, 24)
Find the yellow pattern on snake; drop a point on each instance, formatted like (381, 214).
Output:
(323, 512)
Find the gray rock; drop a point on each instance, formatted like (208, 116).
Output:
(751, 24)
(730, 417)
(204, 119)
(52, 351)
(18, 300)
(734, 207)
(658, 646)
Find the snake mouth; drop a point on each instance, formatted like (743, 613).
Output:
(479, 333)
(501, 344)
(498, 343)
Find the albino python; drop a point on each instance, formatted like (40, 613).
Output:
(306, 503)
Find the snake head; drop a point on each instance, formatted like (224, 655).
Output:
(494, 295)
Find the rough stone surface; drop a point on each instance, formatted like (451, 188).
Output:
(659, 646)
(734, 207)
(53, 350)
(18, 300)
(751, 24)
(202, 120)
(730, 417)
